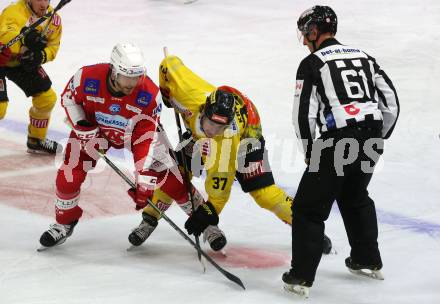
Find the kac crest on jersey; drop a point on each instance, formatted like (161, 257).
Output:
(115, 108)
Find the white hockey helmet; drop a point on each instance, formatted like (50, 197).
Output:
(127, 59)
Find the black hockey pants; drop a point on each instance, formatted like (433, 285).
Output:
(321, 186)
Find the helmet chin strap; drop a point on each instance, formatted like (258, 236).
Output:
(315, 48)
(202, 116)
(112, 85)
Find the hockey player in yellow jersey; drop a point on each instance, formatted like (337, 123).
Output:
(224, 135)
(24, 65)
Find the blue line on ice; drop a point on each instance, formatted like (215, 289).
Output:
(402, 222)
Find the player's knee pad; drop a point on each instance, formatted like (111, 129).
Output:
(66, 208)
(275, 200)
(44, 102)
(69, 180)
(3, 107)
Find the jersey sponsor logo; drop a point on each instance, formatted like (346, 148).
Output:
(298, 88)
(95, 99)
(144, 98)
(56, 20)
(157, 110)
(340, 51)
(109, 120)
(64, 204)
(133, 109)
(234, 126)
(206, 148)
(330, 121)
(91, 86)
(115, 108)
(181, 109)
(351, 110)
(219, 119)
(49, 32)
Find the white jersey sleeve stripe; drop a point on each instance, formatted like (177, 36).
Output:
(388, 103)
(74, 110)
(304, 114)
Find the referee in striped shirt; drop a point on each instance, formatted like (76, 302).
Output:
(344, 92)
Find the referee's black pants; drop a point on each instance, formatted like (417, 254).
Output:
(320, 187)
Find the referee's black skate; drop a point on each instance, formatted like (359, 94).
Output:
(56, 235)
(371, 271)
(295, 285)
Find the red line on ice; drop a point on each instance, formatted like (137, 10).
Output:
(102, 194)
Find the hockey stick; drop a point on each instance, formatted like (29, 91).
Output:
(185, 168)
(227, 274)
(186, 176)
(35, 24)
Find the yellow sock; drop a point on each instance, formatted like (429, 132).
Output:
(161, 200)
(39, 113)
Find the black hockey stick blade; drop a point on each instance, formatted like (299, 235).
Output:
(35, 24)
(226, 273)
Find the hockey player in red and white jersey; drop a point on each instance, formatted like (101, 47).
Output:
(109, 105)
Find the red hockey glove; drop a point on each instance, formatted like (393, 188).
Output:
(145, 185)
(5, 55)
(204, 216)
(85, 131)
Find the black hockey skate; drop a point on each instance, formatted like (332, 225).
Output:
(56, 235)
(295, 285)
(45, 146)
(141, 233)
(215, 237)
(371, 271)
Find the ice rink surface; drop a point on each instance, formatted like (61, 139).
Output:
(252, 45)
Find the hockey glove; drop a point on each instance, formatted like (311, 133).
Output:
(34, 40)
(5, 55)
(85, 131)
(31, 61)
(204, 216)
(145, 186)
